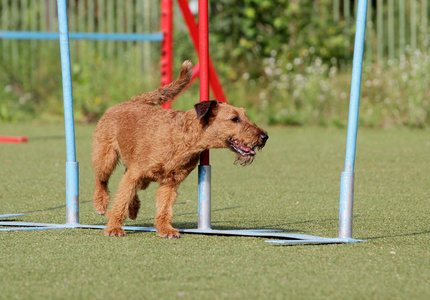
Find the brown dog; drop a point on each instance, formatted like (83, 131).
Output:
(163, 145)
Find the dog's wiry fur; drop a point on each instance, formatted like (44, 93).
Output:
(161, 145)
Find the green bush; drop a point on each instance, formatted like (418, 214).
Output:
(397, 94)
(244, 32)
(310, 92)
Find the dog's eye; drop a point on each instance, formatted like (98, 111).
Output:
(235, 120)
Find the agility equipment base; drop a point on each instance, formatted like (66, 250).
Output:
(72, 166)
(265, 233)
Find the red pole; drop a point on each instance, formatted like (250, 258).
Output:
(204, 62)
(194, 34)
(204, 50)
(166, 60)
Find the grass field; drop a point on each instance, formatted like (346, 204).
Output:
(292, 185)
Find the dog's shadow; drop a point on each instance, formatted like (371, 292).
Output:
(217, 226)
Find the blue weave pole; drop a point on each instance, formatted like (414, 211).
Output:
(72, 167)
(101, 36)
(347, 177)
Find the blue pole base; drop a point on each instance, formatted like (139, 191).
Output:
(346, 205)
(72, 193)
(204, 198)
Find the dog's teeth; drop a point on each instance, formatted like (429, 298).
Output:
(242, 149)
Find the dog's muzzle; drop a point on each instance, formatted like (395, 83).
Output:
(245, 150)
(240, 148)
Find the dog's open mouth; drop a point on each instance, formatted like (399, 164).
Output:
(241, 148)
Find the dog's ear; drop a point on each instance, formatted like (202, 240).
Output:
(204, 109)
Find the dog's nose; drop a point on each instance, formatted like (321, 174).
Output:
(264, 137)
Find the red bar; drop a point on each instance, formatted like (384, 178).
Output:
(166, 60)
(204, 50)
(204, 62)
(13, 139)
(194, 33)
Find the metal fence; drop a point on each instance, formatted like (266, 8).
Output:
(393, 26)
(98, 16)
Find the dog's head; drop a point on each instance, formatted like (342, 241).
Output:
(227, 126)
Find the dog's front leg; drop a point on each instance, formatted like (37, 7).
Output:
(119, 212)
(166, 197)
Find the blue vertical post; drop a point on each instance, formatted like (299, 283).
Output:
(72, 167)
(347, 177)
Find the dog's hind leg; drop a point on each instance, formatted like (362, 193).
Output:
(120, 210)
(134, 206)
(104, 161)
(166, 197)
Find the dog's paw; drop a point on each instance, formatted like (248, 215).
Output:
(101, 201)
(114, 231)
(101, 212)
(170, 233)
(100, 208)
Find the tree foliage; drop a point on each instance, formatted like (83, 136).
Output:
(249, 30)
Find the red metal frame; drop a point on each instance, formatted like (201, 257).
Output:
(194, 34)
(200, 37)
(167, 48)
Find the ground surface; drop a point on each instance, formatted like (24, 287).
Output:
(293, 185)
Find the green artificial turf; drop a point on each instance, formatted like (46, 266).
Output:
(292, 185)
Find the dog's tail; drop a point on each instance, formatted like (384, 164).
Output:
(170, 91)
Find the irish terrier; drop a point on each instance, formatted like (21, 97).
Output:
(163, 145)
